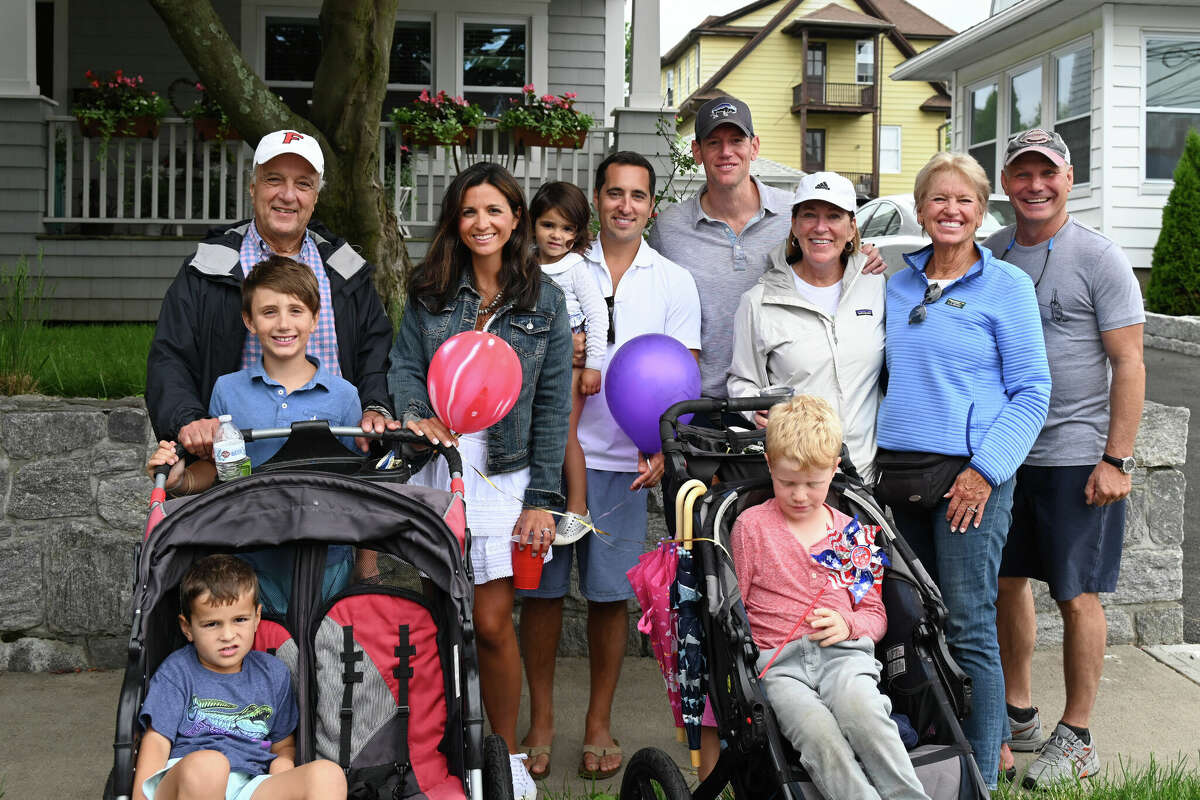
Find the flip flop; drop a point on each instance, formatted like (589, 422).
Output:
(533, 751)
(599, 752)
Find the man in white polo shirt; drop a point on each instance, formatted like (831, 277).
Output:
(647, 294)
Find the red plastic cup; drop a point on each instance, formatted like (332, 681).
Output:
(527, 568)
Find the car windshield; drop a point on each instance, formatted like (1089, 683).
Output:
(999, 214)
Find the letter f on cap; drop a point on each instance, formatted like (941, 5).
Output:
(291, 136)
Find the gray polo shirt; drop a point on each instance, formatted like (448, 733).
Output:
(724, 265)
(1085, 285)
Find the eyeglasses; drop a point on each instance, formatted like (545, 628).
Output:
(933, 293)
(612, 323)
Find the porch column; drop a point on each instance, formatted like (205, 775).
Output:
(638, 122)
(18, 49)
(644, 71)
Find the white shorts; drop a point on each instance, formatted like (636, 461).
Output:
(240, 786)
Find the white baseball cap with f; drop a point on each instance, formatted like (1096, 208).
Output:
(287, 141)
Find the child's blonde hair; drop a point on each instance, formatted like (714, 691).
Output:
(805, 431)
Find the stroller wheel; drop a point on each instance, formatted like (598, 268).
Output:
(651, 774)
(497, 770)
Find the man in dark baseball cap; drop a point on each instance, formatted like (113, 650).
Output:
(723, 110)
(1036, 140)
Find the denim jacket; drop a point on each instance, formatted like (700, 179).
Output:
(534, 432)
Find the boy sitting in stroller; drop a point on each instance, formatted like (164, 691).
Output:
(823, 685)
(219, 717)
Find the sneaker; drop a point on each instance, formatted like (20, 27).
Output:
(1064, 756)
(572, 527)
(523, 786)
(1026, 736)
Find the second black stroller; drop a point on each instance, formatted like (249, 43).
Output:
(919, 675)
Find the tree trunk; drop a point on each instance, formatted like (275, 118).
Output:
(348, 93)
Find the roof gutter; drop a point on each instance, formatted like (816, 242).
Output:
(931, 65)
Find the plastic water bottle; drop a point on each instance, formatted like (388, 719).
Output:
(229, 451)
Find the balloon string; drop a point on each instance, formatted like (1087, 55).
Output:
(588, 525)
(792, 632)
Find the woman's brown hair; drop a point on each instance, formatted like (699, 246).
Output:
(571, 204)
(438, 274)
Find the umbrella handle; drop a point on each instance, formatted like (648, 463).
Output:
(685, 500)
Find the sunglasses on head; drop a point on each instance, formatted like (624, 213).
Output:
(933, 293)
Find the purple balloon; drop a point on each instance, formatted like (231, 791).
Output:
(648, 375)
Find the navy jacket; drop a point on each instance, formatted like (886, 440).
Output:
(200, 333)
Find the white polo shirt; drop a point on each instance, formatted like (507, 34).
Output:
(655, 295)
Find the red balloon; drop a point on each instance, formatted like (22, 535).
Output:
(474, 380)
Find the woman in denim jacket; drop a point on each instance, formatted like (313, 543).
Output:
(479, 275)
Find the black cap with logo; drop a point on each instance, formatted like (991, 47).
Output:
(723, 111)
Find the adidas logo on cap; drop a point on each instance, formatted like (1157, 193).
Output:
(822, 185)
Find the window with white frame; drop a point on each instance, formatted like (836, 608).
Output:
(671, 87)
(1073, 107)
(981, 127)
(1172, 101)
(864, 61)
(889, 149)
(697, 60)
(495, 63)
(1025, 100)
(292, 49)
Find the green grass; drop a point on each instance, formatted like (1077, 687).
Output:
(1154, 781)
(90, 360)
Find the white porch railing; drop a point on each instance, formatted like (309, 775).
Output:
(177, 180)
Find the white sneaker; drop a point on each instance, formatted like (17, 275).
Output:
(572, 527)
(523, 786)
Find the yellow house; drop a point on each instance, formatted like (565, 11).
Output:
(814, 75)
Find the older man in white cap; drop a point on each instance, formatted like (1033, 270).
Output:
(200, 334)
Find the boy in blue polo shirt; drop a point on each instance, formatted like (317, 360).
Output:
(280, 302)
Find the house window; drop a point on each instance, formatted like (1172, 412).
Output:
(1025, 100)
(292, 49)
(981, 128)
(697, 62)
(687, 71)
(494, 63)
(889, 148)
(814, 150)
(1073, 107)
(1172, 101)
(670, 87)
(864, 61)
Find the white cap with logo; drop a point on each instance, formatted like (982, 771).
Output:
(827, 186)
(280, 142)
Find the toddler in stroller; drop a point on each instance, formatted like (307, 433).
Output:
(729, 468)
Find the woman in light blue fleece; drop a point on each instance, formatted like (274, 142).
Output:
(968, 378)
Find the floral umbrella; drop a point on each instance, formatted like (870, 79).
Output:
(651, 579)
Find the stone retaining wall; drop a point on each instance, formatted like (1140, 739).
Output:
(74, 503)
(1176, 334)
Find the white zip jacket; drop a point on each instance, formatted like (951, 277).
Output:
(779, 338)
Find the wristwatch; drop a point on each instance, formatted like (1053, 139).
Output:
(1126, 464)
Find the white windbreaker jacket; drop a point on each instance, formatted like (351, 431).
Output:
(780, 338)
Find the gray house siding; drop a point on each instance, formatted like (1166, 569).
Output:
(576, 53)
(23, 176)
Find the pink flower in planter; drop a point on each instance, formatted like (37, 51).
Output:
(528, 88)
(549, 99)
(424, 98)
(570, 95)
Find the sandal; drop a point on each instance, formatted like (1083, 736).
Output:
(600, 753)
(533, 751)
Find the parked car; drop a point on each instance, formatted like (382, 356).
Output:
(890, 223)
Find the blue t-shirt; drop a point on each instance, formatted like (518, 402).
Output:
(255, 400)
(240, 715)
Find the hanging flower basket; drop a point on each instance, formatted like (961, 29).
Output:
(144, 127)
(413, 136)
(527, 137)
(212, 129)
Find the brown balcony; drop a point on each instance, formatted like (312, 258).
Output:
(846, 98)
(864, 183)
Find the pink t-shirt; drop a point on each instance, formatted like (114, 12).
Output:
(779, 579)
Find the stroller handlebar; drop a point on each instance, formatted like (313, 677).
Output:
(400, 436)
(713, 405)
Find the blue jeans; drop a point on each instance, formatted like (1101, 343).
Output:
(966, 568)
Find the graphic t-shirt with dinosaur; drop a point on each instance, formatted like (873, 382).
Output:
(241, 715)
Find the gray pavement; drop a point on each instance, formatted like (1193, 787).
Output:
(1172, 379)
(56, 730)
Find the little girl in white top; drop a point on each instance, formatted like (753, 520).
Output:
(560, 215)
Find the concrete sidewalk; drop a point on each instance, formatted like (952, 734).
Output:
(56, 731)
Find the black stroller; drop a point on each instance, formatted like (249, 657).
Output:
(919, 675)
(384, 670)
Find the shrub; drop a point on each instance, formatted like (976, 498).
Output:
(1174, 286)
(20, 321)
